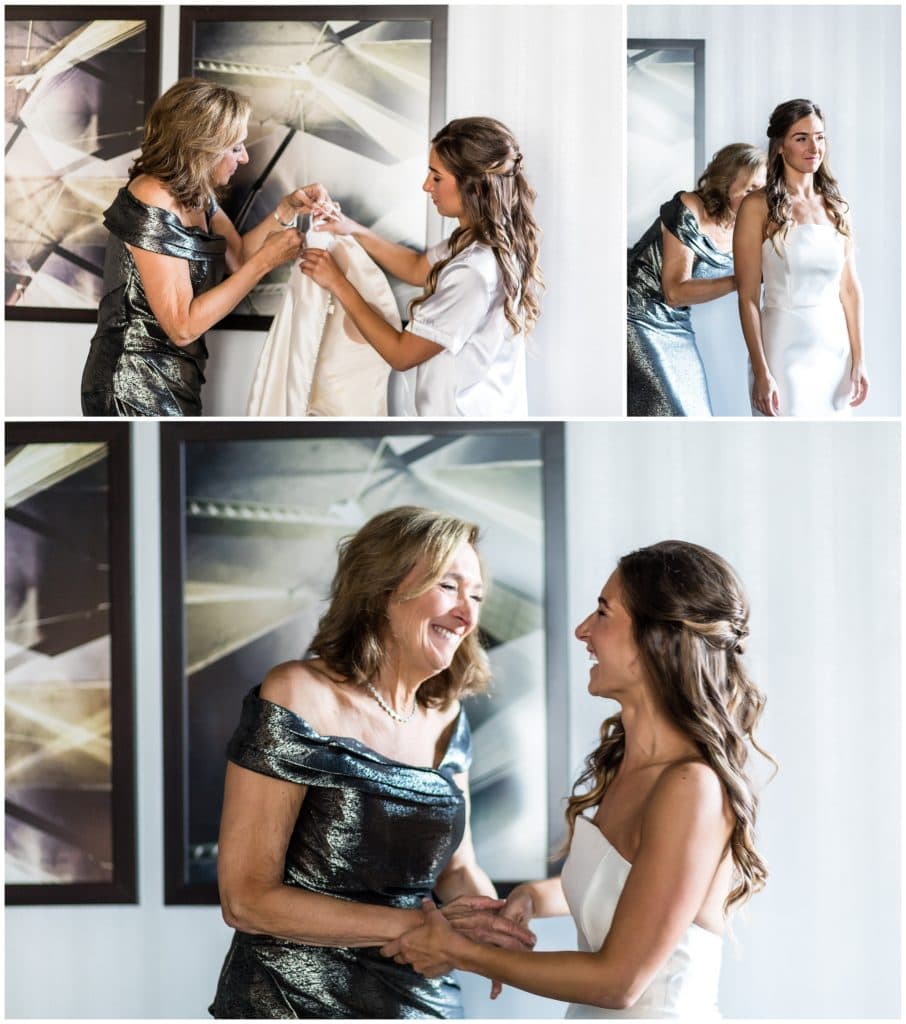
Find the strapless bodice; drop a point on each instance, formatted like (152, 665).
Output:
(804, 268)
(686, 983)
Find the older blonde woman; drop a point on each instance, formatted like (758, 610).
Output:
(683, 259)
(168, 242)
(346, 798)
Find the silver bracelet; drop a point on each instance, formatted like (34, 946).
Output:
(283, 223)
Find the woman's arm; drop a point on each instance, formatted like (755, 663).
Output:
(406, 264)
(748, 236)
(684, 838)
(401, 349)
(185, 316)
(677, 282)
(241, 248)
(259, 814)
(851, 298)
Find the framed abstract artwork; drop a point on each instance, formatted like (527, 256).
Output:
(70, 829)
(665, 113)
(252, 514)
(348, 96)
(79, 81)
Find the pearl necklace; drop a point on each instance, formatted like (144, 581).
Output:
(402, 719)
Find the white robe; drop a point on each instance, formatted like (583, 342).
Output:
(315, 361)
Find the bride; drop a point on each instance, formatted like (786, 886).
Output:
(466, 336)
(667, 848)
(805, 344)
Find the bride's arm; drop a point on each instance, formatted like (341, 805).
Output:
(851, 299)
(401, 261)
(748, 235)
(684, 839)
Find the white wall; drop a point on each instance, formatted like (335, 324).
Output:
(555, 76)
(809, 515)
(846, 59)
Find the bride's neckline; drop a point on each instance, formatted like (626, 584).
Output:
(613, 849)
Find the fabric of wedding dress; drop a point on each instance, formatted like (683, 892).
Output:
(803, 324)
(315, 361)
(685, 985)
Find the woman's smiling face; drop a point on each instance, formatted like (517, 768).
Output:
(426, 630)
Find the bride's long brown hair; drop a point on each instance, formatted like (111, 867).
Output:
(484, 158)
(690, 621)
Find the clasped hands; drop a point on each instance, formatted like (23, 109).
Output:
(431, 947)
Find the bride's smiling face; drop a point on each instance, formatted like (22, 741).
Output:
(609, 638)
(442, 187)
(805, 144)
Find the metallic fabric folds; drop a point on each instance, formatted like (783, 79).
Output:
(371, 830)
(665, 375)
(133, 369)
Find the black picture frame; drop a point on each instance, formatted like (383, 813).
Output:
(277, 135)
(649, 47)
(108, 554)
(180, 759)
(65, 236)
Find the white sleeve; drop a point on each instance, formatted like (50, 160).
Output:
(455, 311)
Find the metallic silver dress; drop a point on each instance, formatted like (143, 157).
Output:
(133, 369)
(370, 830)
(665, 374)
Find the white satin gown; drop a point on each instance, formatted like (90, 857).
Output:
(803, 325)
(685, 986)
(315, 361)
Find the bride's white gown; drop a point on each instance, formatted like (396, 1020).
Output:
(803, 325)
(685, 985)
(315, 361)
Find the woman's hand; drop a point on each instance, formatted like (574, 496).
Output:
(280, 247)
(319, 265)
(309, 199)
(430, 948)
(519, 906)
(482, 919)
(858, 384)
(338, 224)
(765, 396)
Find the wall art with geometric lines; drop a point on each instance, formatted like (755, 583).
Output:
(348, 96)
(252, 513)
(70, 829)
(79, 81)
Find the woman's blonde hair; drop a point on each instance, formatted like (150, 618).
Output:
(484, 158)
(713, 187)
(187, 132)
(690, 622)
(780, 206)
(352, 634)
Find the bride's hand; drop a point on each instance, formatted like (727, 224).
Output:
(858, 384)
(338, 224)
(519, 908)
(319, 265)
(765, 396)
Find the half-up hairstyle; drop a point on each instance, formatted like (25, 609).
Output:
(780, 206)
(353, 634)
(690, 621)
(187, 131)
(484, 158)
(713, 187)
